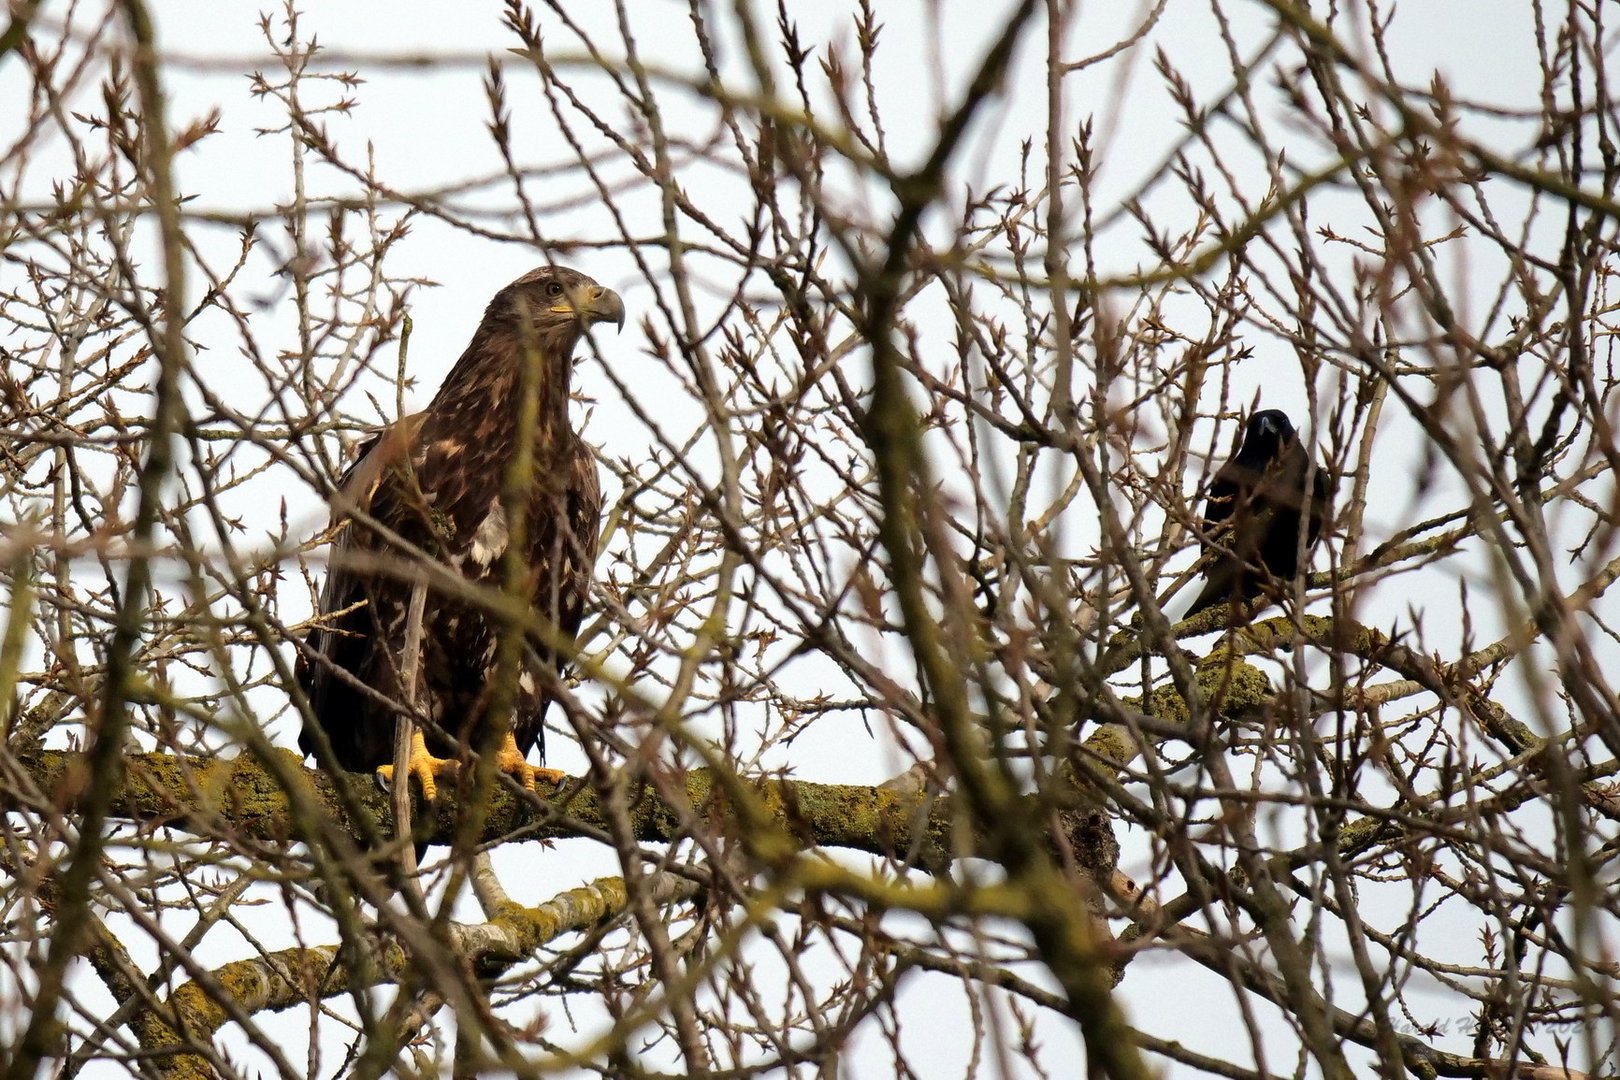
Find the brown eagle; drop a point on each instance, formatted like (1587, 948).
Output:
(1251, 520)
(433, 480)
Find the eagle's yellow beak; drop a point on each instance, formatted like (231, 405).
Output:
(594, 304)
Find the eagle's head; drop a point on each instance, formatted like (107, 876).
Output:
(555, 305)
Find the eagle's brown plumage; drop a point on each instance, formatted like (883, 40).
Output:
(434, 480)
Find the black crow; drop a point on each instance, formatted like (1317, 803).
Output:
(1250, 530)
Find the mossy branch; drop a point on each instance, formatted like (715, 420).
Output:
(292, 977)
(241, 798)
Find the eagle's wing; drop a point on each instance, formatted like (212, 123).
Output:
(341, 649)
(564, 562)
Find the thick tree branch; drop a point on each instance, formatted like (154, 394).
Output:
(292, 977)
(240, 797)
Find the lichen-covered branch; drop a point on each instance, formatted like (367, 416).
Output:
(241, 797)
(295, 976)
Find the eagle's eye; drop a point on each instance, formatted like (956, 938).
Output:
(554, 288)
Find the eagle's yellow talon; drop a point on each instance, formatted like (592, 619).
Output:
(510, 760)
(424, 766)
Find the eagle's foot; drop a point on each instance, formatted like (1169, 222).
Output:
(427, 769)
(510, 760)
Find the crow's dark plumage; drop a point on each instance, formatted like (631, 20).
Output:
(434, 480)
(1251, 526)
